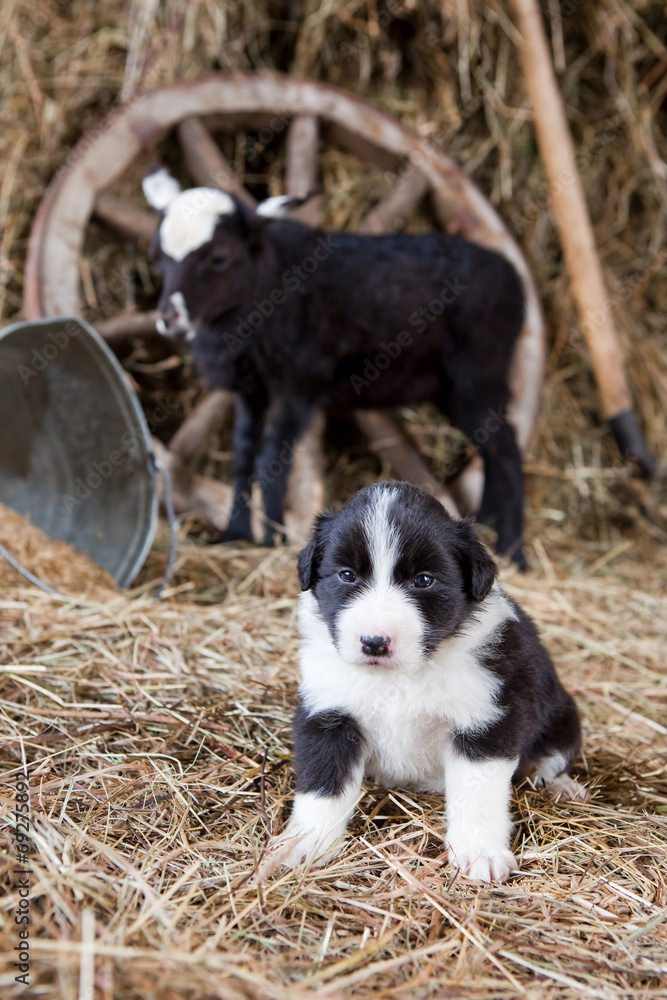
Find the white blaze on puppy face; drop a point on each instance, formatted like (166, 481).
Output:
(190, 220)
(381, 608)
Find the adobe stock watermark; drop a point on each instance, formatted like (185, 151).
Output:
(55, 343)
(551, 190)
(273, 470)
(22, 883)
(40, 15)
(130, 448)
(419, 319)
(292, 279)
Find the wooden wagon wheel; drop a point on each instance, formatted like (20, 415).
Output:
(317, 114)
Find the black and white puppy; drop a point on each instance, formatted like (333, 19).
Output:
(418, 671)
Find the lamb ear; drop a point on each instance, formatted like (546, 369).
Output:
(160, 188)
(478, 566)
(309, 558)
(280, 206)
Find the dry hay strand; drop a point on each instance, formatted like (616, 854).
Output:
(156, 737)
(55, 563)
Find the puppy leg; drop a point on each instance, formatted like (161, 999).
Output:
(478, 816)
(329, 749)
(551, 774)
(558, 750)
(312, 834)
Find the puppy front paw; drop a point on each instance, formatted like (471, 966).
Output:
(485, 865)
(296, 846)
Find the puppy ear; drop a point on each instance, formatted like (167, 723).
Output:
(477, 564)
(160, 188)
(309, 558)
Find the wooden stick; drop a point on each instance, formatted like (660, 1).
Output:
(125, 217)
(391, 442)
(569, 208)
(390, 213)
(205, 162)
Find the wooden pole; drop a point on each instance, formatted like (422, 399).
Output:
(572, 219)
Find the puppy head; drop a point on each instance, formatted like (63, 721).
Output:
(394, 575)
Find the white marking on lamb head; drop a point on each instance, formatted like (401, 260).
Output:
(191, 218)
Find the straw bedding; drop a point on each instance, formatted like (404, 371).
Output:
(156, 734)
(159, 748)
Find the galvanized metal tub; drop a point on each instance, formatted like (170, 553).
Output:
(75, 455)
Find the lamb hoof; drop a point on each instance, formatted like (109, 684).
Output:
(274, 538)
(515, 555)
(520, 560)
(488, 867)
(234, 534)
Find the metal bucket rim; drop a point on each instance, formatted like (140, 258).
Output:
(106, 356)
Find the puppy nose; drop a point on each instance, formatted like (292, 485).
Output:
(375, 645)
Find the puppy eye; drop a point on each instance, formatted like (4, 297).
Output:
(347, 576)
(424, 580)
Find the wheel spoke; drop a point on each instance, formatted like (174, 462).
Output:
(207, 417)
(390, 213)
(126, 217)
(205, 161)
(130, 324)
(303, 141)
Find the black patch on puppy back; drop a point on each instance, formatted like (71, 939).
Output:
(539, 716)
(328, 747)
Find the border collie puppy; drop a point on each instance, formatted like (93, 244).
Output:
(418, 671)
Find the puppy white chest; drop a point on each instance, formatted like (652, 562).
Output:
(407, 751)
(407, 715)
